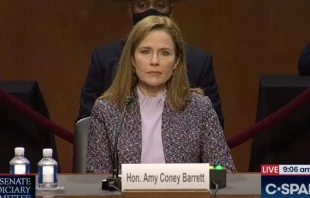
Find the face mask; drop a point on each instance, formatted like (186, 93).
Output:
(151, 12)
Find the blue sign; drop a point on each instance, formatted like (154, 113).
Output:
(17, 186)
(285, 186)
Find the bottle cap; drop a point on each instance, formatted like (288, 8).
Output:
(19, 151)
(48, 152)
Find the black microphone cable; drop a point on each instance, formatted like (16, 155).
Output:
(216, 188)
(111, 184)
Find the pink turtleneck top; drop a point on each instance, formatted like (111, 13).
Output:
(151, 109)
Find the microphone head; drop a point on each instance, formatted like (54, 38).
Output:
(128, 100)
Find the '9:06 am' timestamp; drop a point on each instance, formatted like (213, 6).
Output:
(294, 169)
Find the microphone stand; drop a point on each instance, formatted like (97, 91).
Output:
(114, 183)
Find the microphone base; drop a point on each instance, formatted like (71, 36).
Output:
(110, 183)
(218, 177)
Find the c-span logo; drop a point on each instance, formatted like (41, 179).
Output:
(285, 181)
(17, 186)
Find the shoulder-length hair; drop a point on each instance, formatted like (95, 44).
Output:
(125, 81)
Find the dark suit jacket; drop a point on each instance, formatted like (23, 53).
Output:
(102, 69)
(304, 61)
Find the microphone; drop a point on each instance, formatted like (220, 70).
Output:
(114, 182)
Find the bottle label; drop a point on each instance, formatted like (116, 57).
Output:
(48, 174)
(19, 169)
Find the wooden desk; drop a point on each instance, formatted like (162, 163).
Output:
(164, 196)
(243, 185)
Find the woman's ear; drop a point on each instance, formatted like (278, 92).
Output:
(133, 62)
(176, 63)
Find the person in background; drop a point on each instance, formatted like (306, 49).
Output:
(167, 121)
(104, 60)
(304, 61)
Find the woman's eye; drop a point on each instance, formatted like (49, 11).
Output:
(165, 53)
(144, 51)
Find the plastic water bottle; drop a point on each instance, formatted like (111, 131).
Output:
(48, 170)
(19, 164)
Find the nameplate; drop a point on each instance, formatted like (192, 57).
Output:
(165, 176)
(17, 186)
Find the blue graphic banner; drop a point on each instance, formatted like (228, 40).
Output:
(17, 186)
(285, 186)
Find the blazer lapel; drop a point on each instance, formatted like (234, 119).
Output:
(178, 136)
(166, 130)
(131, 135)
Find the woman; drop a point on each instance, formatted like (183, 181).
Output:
(167, 121)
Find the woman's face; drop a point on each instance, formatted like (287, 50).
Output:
(155, 59)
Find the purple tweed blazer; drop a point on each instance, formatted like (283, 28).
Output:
(192, 136)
